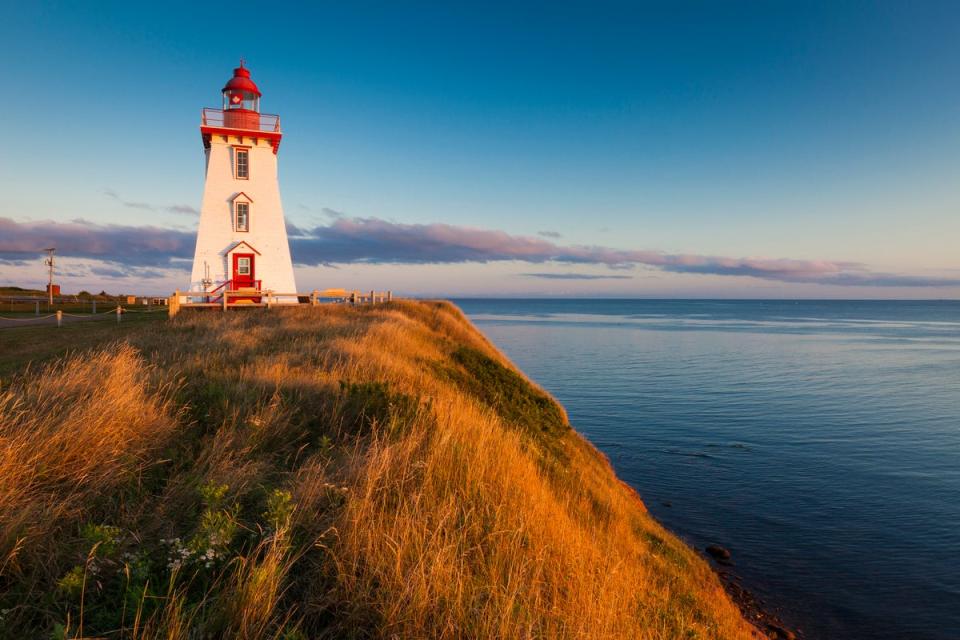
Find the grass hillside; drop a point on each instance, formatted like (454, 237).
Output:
(329, 472)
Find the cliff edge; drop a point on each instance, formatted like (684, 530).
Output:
(364, 472)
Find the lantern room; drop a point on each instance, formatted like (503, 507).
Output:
(241, 92)
(241, 100)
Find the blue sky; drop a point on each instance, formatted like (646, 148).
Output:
(759, 149)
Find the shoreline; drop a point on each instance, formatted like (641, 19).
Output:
(766, 619)
(755, 611)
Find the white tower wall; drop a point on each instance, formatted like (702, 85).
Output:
(217, 234)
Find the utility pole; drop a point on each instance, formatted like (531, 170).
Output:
(49, 262)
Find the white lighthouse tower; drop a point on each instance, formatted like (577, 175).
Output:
(242, 239)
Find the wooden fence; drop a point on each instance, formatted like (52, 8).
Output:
(251, 298)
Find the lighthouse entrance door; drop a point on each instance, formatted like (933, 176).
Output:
(243, 271)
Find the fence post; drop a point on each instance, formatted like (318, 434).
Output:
(173, 303)
(313, 298)
(269, 300)
(225, 297)
(389, 296)
(118, 314)
(59, 318)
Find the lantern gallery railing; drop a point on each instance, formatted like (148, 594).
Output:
(240, 119)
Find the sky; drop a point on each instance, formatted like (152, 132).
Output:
(675, 149)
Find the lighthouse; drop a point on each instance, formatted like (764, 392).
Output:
(242, 238)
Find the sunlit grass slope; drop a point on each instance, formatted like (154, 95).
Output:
(378, 472)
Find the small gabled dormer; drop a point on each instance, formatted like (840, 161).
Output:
(242, 246)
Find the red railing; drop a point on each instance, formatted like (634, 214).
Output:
(220, 297)
(240, 119)
(228, 286)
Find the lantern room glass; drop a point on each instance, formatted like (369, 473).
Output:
(248, 100)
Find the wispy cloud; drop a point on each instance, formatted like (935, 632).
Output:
(556, 235)
(576, 276)
(183, 209)
(128, 272)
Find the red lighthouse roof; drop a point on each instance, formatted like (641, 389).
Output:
(241, 81)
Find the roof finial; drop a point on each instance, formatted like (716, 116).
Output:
(242, 62)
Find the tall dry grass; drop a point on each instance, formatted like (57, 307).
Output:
(332, 472)
(69, 434)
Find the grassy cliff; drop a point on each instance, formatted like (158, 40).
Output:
(322, 472)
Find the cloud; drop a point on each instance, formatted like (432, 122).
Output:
(108, 272)
(375, 241)
(183, 209)
(333, 214)
(550, 234)
(127, 272)
(292, 229)
(110, 193)
(125, 245)
(575, 276)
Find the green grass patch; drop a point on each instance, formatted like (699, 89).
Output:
(365, 406)
(512, 396)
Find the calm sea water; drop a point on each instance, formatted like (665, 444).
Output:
(818, 441)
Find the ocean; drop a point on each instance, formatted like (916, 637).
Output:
(819, 441)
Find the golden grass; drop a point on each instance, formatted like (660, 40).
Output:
(348, 475)
(70, 433)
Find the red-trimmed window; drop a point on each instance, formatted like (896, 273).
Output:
(242, 216)
(241, 163)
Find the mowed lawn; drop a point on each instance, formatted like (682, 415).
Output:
(23, 345)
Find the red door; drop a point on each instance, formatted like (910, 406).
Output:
(243, 271)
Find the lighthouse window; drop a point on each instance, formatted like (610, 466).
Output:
(243, 216)
(242, 164)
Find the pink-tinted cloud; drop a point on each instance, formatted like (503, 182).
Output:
(576, 276)
(114, 243)
(374, 241)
